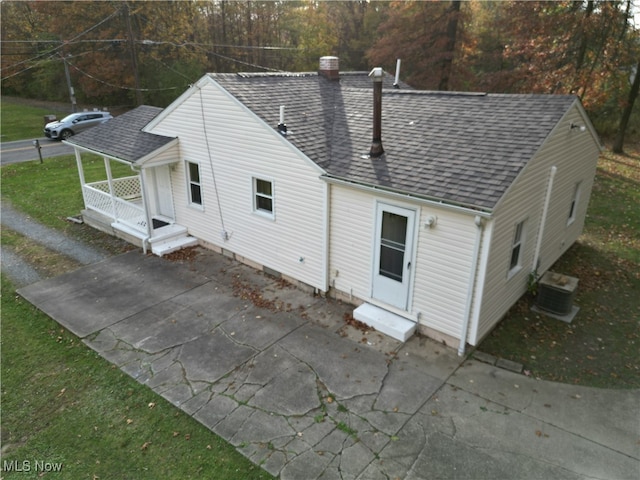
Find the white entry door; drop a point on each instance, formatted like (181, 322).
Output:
(164, 197)
(393, 254)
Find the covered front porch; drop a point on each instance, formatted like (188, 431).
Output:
(127, 185)
(136, 208)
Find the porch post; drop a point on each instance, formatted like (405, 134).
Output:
(143, 192)
(81, 175)
(107, 167)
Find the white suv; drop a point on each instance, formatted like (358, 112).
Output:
(74, 123)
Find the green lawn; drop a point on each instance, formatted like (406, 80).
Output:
(21, 121)
(61, 402)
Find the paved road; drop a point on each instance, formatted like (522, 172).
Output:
(24, 150)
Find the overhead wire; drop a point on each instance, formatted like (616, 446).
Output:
(118, 86)
(213, 174)
(65, 43)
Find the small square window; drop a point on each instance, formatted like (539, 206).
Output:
(195, 188)
(263, 196)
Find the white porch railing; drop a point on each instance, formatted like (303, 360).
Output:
(123, 207)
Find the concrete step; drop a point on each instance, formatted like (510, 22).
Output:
(385, 322)
(173, 244)
(167, 232)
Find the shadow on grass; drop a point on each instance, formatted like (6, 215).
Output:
(600, 347)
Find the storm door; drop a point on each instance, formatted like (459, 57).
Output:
(393, 254)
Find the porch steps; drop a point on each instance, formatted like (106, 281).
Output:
(169, 239)
(385, 322)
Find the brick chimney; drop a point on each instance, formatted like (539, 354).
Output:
(329, 68)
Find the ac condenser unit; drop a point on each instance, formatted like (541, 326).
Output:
(556, 292)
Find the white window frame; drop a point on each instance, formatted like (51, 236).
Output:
(255, 195)
(519, 235)
(190, 182)
(575, 200)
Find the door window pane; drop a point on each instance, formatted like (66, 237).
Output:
(392, 245)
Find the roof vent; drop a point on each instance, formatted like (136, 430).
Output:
(282, 127)
(329, 68)
(396, 83)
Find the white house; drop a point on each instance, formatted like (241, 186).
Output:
(430, 209)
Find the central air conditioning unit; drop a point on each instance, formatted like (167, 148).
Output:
(556, 293)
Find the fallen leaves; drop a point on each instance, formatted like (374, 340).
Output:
(247, 292)
(363, 327)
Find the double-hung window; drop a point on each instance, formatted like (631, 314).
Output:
(263, 198)
(195, 187)
(516, 249)
(574, 204)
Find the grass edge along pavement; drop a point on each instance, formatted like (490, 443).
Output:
(65, 405)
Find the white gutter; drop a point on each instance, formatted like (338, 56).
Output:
(545, 211)
(472, 283)
(468, 210)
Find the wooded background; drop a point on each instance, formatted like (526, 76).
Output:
(124, 53)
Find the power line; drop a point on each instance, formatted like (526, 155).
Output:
(63, 44)
(119, 86)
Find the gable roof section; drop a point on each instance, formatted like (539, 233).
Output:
(460, 148)
(122, 137)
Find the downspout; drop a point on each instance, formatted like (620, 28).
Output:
(471, 287)
(545, 211)
(326, 212)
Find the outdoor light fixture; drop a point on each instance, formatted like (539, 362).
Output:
(581, 128)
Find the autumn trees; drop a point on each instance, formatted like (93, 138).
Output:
(127, 52)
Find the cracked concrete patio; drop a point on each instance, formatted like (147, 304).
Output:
(305, 396)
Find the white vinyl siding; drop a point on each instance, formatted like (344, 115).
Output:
(352, 227)
(575, 156)
(241, 147)
(442, 257)
(443, 270)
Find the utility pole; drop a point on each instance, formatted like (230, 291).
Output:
(72, 93)
(134, 56)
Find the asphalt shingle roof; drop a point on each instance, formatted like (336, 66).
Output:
(121, 137)
(462, 148)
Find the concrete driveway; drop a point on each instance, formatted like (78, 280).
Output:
(281, 376)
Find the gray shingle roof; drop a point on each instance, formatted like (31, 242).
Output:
(122, 137)
(457, 147)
